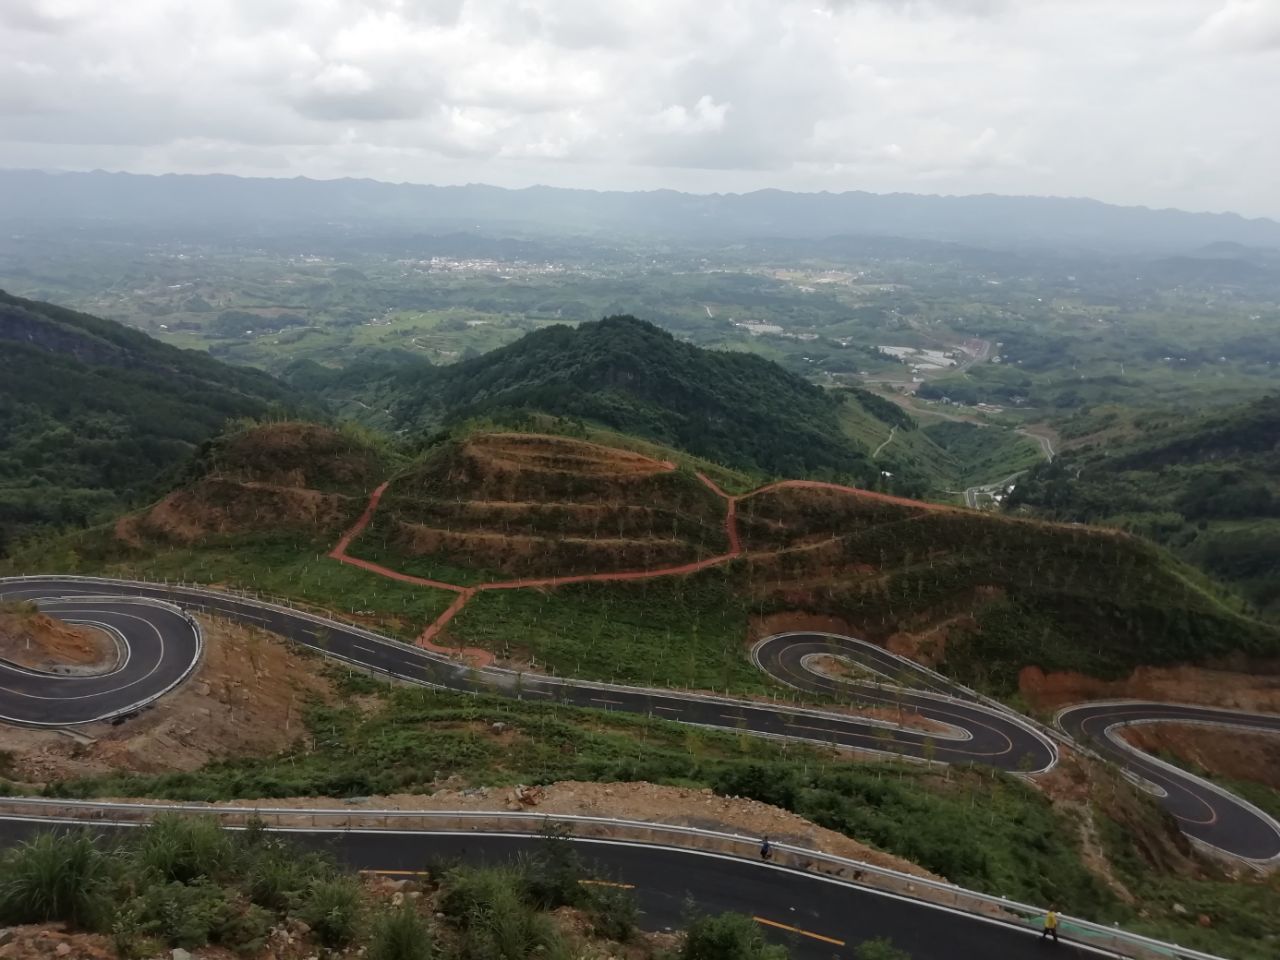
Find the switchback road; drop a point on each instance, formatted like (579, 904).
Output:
(1204, 811)
(157, 647)
(957, 726)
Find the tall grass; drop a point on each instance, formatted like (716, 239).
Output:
(179, 849)
(401, 934)
(55, 877)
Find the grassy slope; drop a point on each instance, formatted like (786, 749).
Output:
(985, 830)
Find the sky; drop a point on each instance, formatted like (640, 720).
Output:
(1153, 102)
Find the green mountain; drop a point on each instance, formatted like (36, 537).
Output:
(92, 412)
(1209, 488)
(631, 376)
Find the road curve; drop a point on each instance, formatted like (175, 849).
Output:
(961, 728)
(816, 917)
(1204, 811)
(157, 648)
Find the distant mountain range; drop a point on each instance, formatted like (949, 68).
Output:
(32, 198)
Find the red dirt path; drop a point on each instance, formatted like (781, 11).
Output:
(482, 658)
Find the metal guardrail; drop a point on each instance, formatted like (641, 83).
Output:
(1099, 936)
(935, 893)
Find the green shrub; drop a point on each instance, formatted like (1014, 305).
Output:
(400, 934)
(55, 877)
(728, 936)
(334, 908)
(183, 849)
(613, 913)
(184, 915)
(278, 877)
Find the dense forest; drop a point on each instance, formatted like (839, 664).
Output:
(627, 374)
(1209, 488)
(93, 414)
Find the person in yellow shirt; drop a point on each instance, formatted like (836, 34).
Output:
(1051, 923)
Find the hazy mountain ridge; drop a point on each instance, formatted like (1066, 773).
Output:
(251, 203)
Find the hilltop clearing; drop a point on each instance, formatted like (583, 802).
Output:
(277, 476)
(93, 413)
(526, 504)
(1208, 488)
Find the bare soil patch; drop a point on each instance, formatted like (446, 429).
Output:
(1227, 753)
(41, 642)
(246, 698)
(533, 451)
(217, 505)
(1257, 690)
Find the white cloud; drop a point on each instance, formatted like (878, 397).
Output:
(1160, 102)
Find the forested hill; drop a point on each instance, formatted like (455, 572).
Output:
(1208, 488)
(735, 408)
(92, 412)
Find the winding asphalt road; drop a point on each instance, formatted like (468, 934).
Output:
(817, 918)
(157, 647)
(1204, 812)
(960, 727)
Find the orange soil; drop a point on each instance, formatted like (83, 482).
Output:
(218, 505)
(1229, 753)
(536, 451)
(246, 697)
(547, 452)
(33, 639)
(1258, 690)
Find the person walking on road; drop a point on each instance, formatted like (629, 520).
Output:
(1051, 924)
(766, 851)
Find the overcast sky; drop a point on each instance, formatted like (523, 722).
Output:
(1158, 102)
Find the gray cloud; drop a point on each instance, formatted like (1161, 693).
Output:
(1150, 101)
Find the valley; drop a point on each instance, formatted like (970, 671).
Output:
(601, 561)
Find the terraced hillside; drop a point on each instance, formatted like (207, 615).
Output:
(277, 476)
(616, 559)
(983, 596)
(529, 504)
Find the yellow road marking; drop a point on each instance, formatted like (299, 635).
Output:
(393, 873)
(803, 933)
(608, 883)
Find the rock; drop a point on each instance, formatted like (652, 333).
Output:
(299, 928)
(396, 885)
(62, 949)
(180, 954)
(397, 899)
(1179, 909)
(6, 936)
(1204, 920)
(498, 727)
(415, 894)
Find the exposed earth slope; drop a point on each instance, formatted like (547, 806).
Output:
(593, 558)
